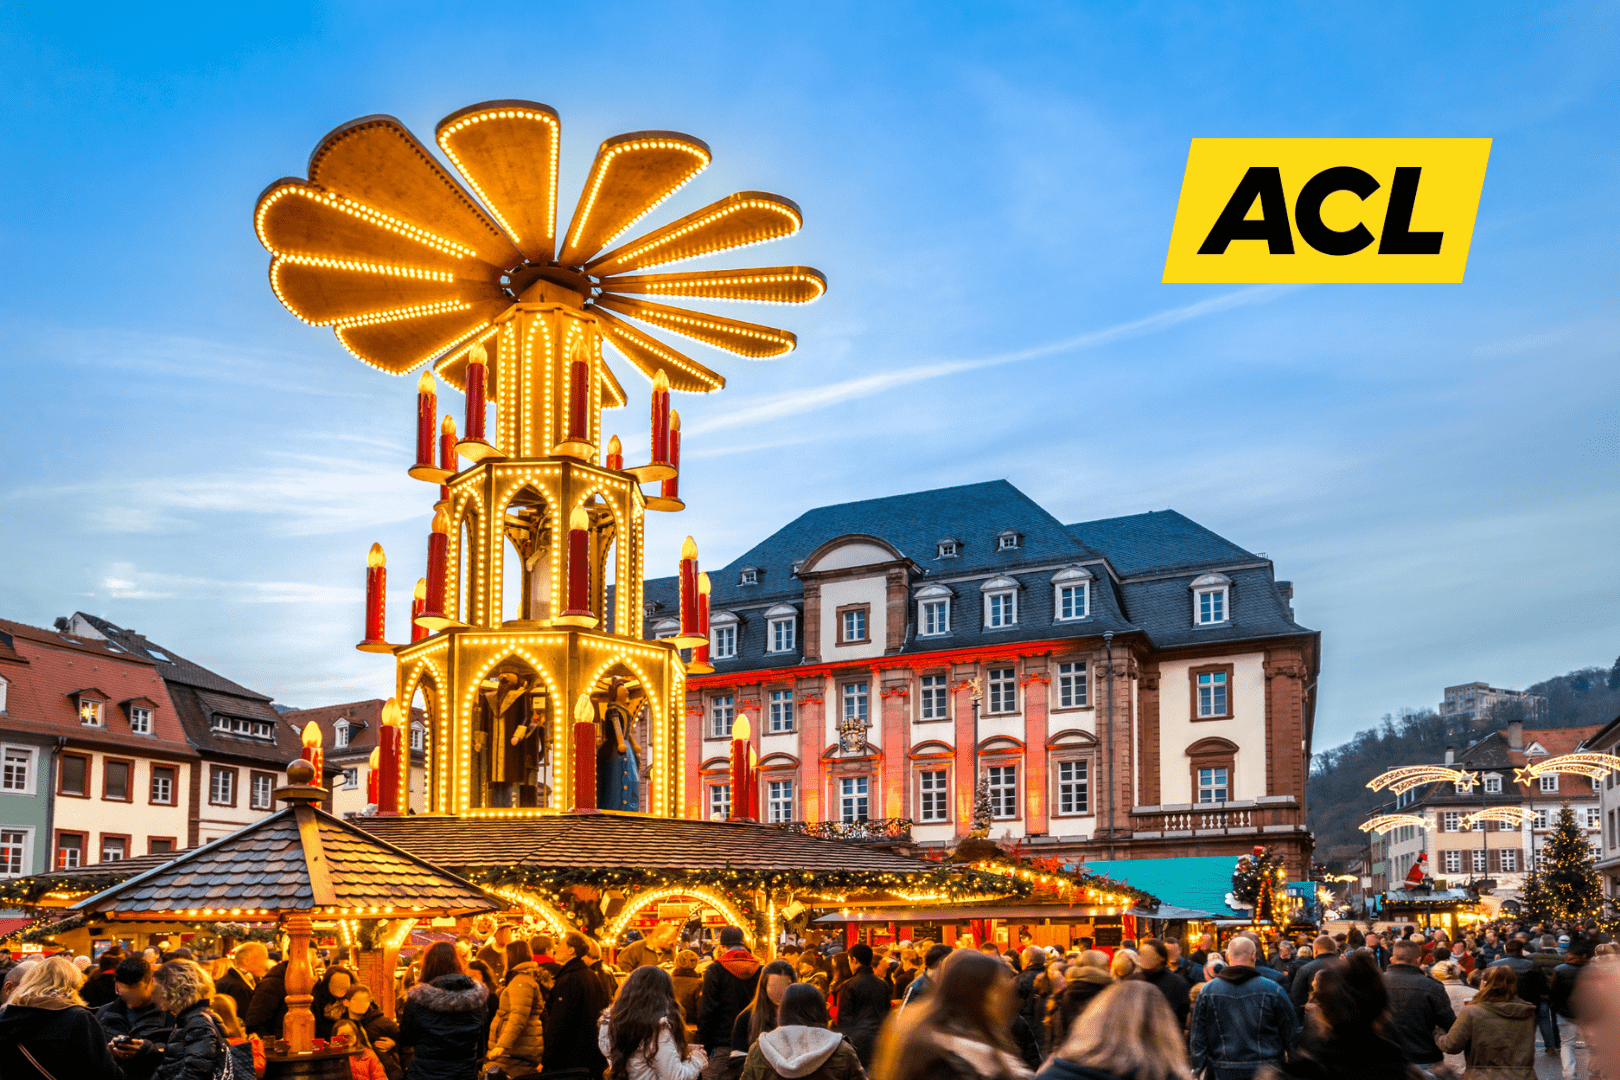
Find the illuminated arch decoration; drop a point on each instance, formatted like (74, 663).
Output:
(1404, 779)
(534, 905)
(1386, 822)
(635, 905)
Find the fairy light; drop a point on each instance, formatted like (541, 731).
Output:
(1383, 823)
(1404, 779)
(709, 329)
(641, 901)
(774, 285)
(594, 183)
(370, 215)
(548, 119)
(700, 233)
(628, 340)
(1516, 816)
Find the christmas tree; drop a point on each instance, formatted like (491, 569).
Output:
(1253, 881)
(1564, 886)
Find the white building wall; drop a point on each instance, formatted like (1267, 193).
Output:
(1246, 727)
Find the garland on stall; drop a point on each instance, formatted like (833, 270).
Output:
(41, 932)
(27, 891)
(240, 932)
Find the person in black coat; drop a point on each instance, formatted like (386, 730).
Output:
(1156, 970)
(133, 1013)
(1417, 1005)
(46, 1017)
(248, 966)
(99, 989)
(729, 985)
(443, 1019)
(863, 1004)
(573, 1008)
(267, 1008)
(197, 1046)
(1324, 954)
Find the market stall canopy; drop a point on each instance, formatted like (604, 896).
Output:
(1199, 884)
(59, 888)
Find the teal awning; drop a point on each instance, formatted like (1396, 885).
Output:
(1199, 882)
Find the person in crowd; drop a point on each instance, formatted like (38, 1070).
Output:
(1490, 950)
(137, 1026)
(493, 954)
(1417, 1005)
(760, 1016)
(863, 1003)
(198, 1047)
(1128, 1033)
(249, 964)
(330, 990)
(1082, 983)
(1495, 1032)
(843, 969)
(1341, 1039)
(382, 1031)
(443, 1018)
(1125, 965)
(1597, 1004)
(800, 1046)
(654, 948)
(643, 1035)
(45, 1027)
(1449, 974)
(99, 989)
(1561, 999)
(1154, 958)
(7, 962)
(688, 986)
(959, 1031)
(517, 1038)
(540, 946)
(267, 1008)
(1282, 955)
(1261, 966)
(365, 1065)
(1027, 989)
(1181, 964)
(1242, 1020)
(247, 1051)
(910, 967)
(1543, 952)
(13, 978)
(1324, 953)
(922, 984)
(729, 984)
(573, 1006)
(1532, 987)
(599, 968)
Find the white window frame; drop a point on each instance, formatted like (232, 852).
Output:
(215, 774)
(781, 633)
(1002, 782)
(1548, 783)
(1453, 821)
(4, 686)
(1207, 692)
(123, 848)
(933, 698)
(1220, 780)
(933, 796)
(92, 713)
(24, 846)
(267, 783)
(1451, 862)
(854, 799)
(1074, 690)
(933, 611)
(30, 767)
(853, 698)
(1594, 817)
(1481, 860)
(1510, 855)
(779, 801)
(1078, 580)
(719, 802)
(1078, 783)
(418, 735)
(781, 712)
(140, 719)
(723, 645)
(351, 777)
(1001, 683)
(1217, 587)
(853, 619)
(153, 779)
(749, 575)
(1493, 785)
(948, 549)
(1007, 540)
(340, 733)
(1001, 609)
(722, 714)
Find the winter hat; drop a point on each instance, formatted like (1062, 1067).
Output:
(1563, 940)
(731, 937)
(686, 959)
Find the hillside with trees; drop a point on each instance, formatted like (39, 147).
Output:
(1338, 797)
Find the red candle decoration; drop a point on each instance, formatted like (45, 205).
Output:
(387, 769)
(579, 562)
(700, 652)
(751, 807)
(476, 374)
(584, 754)
(689, 588)
(671, 488)
(579, 389)
(373, 764)
(447, 452)
(615, 455)
(740, 731)
(376, 594)
(311, 739)
(660, 418)
(438, 551)
(426, 408)
(418, 605)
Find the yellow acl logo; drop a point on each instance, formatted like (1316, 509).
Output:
(1309, 210)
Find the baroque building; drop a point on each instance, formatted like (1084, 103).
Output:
(1130, 687)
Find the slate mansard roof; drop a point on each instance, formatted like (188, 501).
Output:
(1143, 567)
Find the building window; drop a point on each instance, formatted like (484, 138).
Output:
(140, 720)
(1493, 785)
(779, 801)
(1510, 860)
(17, 770)
(69, 850)
(90, 712)
(159, 845)
(855, 702)
(351, 778)
(1212, 785)
(749, 576)
(115, 780)
(1003, 791)
(1453, 862)
(222, 786)
(722, 711)
(13, 852)
(74, 776)
(1071, 593)
(780, 634)
(1072, 685)
(725, 642)
(1001, 609)
(114, 848)
(719, 802)
(262, 795)
(418, 737)
(933, 795)
(1453, 820)
(1212, 692)
(852, 624)
(1003, 690)
(340, 734)
(852, 801)
(935, 618)
(666, 628)
(1549, 782)
(3, 687)
(1007, 541)
(1593, 817)
(1480, 862)
(781, 710)
(949, 549)
(1073, 794)
(1211, 604)
(934, 702)
(162, 785)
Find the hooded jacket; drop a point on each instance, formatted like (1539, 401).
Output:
(1417, 1005)
(796, 1052)
(195, 1046)
(65, 1038)
(519, 1029)
(444, 1021)
(1496, 1038)
(1241, 1020)
(728, 987)
(573, 1006)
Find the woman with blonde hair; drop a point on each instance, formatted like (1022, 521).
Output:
(198, 1043)
(1124, 964)
(45, 1028)
(1128, 1031)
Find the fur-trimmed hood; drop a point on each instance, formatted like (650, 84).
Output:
(797, 1050)
(449, 994)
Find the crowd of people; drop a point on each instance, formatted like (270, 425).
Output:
(1398, 1004)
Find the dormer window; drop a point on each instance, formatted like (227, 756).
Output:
(650, 608)
(1071, 594)
(140, 719)
(949, 548)
(723, 636)
(781, 622)
(340, 733)
(89, 711)
(749, 576)
(418, 736)
(1000, 602)
(933, 611)
(1007, 540)
(1211, 600)
(666, 628)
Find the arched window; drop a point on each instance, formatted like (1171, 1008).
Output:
(340, 733)
(1071, 594)
(1212, 604)
(418, 736)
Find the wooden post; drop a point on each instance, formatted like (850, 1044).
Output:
(299, 1027)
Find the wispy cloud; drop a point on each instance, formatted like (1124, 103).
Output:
(125, 582)
(810, 399)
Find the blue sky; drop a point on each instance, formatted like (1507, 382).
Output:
(989, 189)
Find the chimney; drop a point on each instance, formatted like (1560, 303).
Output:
(1449, 756)
(1285, 589)
(1515, 734)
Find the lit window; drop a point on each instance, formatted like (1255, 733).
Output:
(779, 801)
(1001, 609)
(1003, 690)
(90, 711)
(855, 624)
(1510, 860)
(722, 711)
(116, 780)
(725, 642)
(855, 701)
(781, 636)
(934, 702)
(934, 799)
(1212, 785)
(16, 772)
(749, 576)
(1212, 693)
(852, 799)
(1453, 821)
(1493, 785)
(781, 710)
(1073, 796)
(13, 844)
(1003, 791)
(351, 778)
(112, 849)
(340, 734)
(140, 720)
(1210, 606)
(1549, 782)
(1072, 685)
(719, 802)
(418, 737)
(263, 787)
(222, 787)
(1453, 862)
(163, 784)
(69, 851)
(1594, 817)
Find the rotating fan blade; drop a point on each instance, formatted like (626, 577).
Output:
(376, 161)
(323, 294)
(748, 217)
(760, 285)
(743, 338)
(631, 174)
(613, 395)
(507, 150)
(651, 356)
(398, 344)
